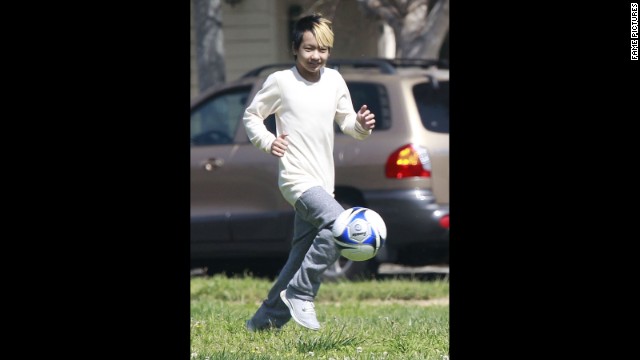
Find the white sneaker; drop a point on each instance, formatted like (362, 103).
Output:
(302, 311)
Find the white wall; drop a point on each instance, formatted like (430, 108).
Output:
(249, 36)
(256, 33)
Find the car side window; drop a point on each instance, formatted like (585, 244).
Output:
(375, 97)
(215, 121)
(433, 105)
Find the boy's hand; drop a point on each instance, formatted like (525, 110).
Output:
(366, 118)
(280, 145)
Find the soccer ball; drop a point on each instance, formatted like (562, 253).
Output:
(359, 233)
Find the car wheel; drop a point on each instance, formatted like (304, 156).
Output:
(345, 269)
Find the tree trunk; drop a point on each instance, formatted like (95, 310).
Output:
(419, 31)
(425, 33)
(209, 43)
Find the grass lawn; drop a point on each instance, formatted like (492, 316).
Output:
(377, 319)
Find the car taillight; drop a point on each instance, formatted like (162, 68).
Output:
(444, 221)
(407, 161)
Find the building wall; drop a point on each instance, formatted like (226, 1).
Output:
(355, 35)
(250, 33)
(256, 33)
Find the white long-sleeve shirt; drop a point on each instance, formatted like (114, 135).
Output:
(306, 111)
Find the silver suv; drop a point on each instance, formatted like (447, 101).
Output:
(401, 171)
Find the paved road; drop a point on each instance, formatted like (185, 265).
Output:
(393, 269)
(390, 270)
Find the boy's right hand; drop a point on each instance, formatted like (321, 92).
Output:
(280, 145)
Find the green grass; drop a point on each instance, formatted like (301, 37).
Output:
(378, 319)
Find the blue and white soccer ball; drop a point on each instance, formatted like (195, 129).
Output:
(359, 233)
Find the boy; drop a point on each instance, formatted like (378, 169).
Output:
(306, 100)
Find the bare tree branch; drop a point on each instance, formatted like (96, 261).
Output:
(419, 26)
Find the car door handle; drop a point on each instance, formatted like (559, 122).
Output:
(212, 164)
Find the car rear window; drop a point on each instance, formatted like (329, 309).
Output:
(432, 99)
(375, 97)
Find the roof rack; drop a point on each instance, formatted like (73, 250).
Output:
(386, 66)
(257, 71)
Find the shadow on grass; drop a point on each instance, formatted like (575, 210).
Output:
(325, 341)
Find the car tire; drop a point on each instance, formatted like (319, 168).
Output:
(345, 269)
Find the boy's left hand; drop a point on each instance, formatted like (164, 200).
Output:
(366, 118)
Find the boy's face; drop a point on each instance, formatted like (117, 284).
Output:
(311, 56)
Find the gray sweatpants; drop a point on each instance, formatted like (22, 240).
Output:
(312, 252)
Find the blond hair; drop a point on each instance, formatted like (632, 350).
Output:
(323, 32)
(319, 26)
